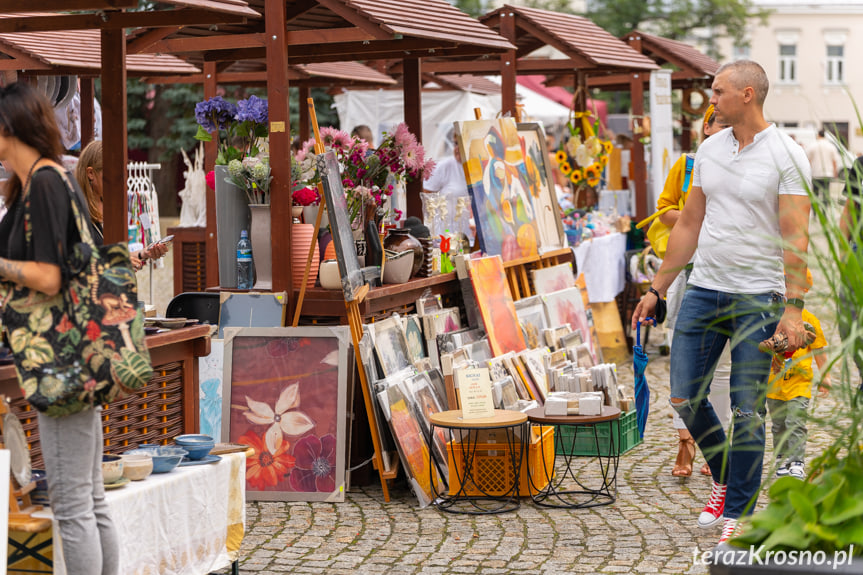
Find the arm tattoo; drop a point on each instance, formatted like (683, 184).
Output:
(12, 271)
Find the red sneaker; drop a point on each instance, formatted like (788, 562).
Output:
(728, 530)
(712, 512)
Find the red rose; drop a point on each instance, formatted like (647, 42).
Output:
(211, 179)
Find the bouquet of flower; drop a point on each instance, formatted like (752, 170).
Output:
(368, 174)
(244, 124)
(253, 176)
(583, 156)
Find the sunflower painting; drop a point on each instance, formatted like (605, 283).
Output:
(285, 395)
(499, 179)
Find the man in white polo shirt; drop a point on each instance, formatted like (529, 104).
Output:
(748, 215)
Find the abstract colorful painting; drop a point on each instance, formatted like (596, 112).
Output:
(210, 373)
(495, 305)
(566, 306)
(285, 395)
(500, 187)
(541, 184)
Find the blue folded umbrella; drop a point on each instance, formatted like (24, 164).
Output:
(642, 391)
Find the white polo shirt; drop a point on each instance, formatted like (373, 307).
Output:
(740, 244)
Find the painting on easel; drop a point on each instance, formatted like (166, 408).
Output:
(340, 225)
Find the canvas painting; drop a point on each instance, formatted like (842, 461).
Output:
(553, 278)
(412, 446)
(523, 386)
(499, 182)
(414, 336)
(426, 403)
(505, 394)
(531, 317)
(441, 321)
(541, 185)
(495, 305)
(285, 395)
(496, 368)
(391, 345)
(566, 306)
(210, 372)
(533, 361)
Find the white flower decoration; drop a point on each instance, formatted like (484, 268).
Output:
(281, 419)
(582, 156)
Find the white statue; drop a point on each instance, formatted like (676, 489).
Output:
(194, 194)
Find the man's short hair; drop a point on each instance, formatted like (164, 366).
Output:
(821, 133)
(748, 73)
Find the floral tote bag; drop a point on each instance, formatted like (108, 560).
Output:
(85, 345)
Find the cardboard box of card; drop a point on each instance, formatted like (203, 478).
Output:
(572, 403)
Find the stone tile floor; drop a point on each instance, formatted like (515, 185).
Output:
(649, 529)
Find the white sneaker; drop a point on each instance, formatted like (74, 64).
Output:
(782, 470)
(795, 469)
(712, 512)
(729, 526)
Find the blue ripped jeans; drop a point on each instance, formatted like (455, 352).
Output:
(706, 321)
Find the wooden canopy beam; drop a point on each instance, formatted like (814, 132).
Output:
(412, 98)
(117, 20)
(147, 39)
(206, 43)
(299, 8)
(72, 5)
(114, 147)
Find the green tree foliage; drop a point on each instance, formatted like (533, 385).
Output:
(677, 19)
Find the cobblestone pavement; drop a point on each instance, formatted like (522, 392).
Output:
(649, 529)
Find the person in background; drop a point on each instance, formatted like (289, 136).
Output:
(788, 397)
(88, 172)
(364, 133)
(676, 189)
(849, 225)
(35, 237)
(449, 181)
(824, 158)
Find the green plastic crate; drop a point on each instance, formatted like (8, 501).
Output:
(585, 443)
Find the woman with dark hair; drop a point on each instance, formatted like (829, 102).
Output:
(88, 172)
(36, 236)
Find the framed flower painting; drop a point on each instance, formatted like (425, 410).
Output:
(285, 395)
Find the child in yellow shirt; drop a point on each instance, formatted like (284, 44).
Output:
(788, 398)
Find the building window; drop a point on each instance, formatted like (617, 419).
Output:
(835, 65)
(740, 53)
(788, 63)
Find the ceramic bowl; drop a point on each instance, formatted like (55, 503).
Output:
(198, 445)
(329, 275)
(192, 438)
(397, 268)
(164, 458)
(112, 468)
(137, 466)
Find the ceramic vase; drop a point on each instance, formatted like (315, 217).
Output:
(301, 241)
(262, 248)
(310, 214)
(232, 217)
(400, 240)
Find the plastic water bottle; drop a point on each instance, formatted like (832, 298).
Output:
(244, 261)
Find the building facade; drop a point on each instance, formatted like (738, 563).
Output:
(808, 48)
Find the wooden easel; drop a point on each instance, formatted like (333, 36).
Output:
(354, 321)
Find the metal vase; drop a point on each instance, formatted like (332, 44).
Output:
(232, 217)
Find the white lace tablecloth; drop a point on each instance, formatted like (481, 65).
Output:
(189, 521)
(601, 260)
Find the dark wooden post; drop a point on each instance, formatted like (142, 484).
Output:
(87, 110)
(280, 146)
(507, 66)
(685, 132)
(210, 153)
(304, 128)
(413, 118)
(114, 152)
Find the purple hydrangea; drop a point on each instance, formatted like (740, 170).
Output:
(215, 113)
(253, 109)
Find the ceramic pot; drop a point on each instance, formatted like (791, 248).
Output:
(296, 211)
(301, 241)
(398, 267)
(262, 248)
(330, 275)
(401, 240)
(232, 216)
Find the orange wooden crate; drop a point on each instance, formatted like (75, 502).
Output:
(491, 472)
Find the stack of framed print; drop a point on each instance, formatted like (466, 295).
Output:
(285, 395)
(391, 345)
(531, 317)
(495, 305)
(552, 278)
(566, 306)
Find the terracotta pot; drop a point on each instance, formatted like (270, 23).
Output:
(301, 241)
(401, 240)
(262, 248)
